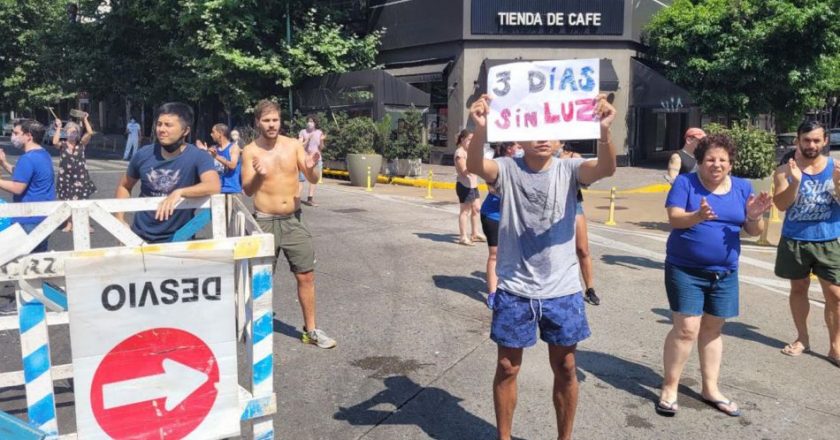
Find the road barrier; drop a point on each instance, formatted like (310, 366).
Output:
(44, 289)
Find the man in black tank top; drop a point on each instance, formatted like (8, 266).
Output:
(683, 161)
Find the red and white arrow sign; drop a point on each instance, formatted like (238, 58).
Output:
(177, 382)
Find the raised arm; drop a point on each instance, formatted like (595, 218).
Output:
(674, 165)
(234, 157)
(786, 185)
(56, 139)
(252, 170)
(88, 131)
(307, 164)
(604, 166)
(476, 163)
(5, 163)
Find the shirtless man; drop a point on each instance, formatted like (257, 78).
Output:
(270, 167)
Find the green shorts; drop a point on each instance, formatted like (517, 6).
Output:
(291, 237)
(795, 259)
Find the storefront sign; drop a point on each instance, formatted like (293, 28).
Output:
(543, 100)
(548, 17)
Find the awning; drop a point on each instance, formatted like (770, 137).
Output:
(652, 90)
(373, 89)
(608, 77)
(424, 73)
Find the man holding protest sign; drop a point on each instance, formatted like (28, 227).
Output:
(537, 267)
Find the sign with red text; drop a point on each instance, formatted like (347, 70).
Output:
(543, 100)
(153, 340)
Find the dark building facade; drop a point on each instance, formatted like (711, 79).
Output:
(444, 47)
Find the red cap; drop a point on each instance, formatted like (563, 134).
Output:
(695, 132)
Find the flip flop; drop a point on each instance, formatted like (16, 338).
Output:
(668, 409)
(479, 238)
(795, 350)
(721, 405)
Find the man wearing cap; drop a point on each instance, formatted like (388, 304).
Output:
(683, 162)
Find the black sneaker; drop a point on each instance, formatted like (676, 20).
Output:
(591, 297)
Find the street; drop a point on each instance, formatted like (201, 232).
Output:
(414, 359)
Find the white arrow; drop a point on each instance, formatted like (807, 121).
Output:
(176, 383)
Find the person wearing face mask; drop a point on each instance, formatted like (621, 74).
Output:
(313, 140)
(808, 188)
(170, 168)
(33, 179)
(74, 182)
(236, 137)
(539, 290)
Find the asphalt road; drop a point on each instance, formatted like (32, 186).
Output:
(414, 359)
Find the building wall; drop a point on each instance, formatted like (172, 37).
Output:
(468, 68)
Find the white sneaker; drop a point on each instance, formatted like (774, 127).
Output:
(317, 337)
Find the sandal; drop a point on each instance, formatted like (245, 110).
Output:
(721, 405)
(795, 349)
(465, 242)
(666, 408)
(479, 238)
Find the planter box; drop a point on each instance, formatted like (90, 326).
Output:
(335, 164)
(358, 165)
(405, 167)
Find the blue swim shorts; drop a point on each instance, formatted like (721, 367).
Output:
(561, 320)
(693, 292)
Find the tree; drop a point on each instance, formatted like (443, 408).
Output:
(744, 57)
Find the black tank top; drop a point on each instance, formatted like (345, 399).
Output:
(687, 162)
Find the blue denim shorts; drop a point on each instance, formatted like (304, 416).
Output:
(561, 320)
(693, 292)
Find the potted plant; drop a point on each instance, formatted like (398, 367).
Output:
(406, 151)
(357, 140)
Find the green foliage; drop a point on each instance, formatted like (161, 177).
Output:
(383, 135)
(188, 50)
(755, 149)
(409, 138)
(745, 57)
(356, 135)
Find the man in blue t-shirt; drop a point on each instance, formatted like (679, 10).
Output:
(32, 176)
(172, 168)
(808, 188)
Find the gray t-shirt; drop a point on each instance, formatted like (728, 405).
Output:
(536, 255)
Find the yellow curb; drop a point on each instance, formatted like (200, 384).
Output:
(424, 183)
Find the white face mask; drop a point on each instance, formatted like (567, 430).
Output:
(519, 153)
(310, 126)
(17, 141)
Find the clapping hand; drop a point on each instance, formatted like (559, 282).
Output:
(200, 144)
(757, 206)
(835, 175)
(260, 166)
(57, 124)
(794, 172)
(312, 160)
(705, 212)
(213, 152)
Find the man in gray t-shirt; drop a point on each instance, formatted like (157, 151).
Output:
(537, 265)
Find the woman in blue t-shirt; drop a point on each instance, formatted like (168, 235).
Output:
(707, 210)
(490, 210)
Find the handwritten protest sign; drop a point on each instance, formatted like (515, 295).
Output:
(543, 100)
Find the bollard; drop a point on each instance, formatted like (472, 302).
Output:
(611, 218)
(774, 212)
(429, 189)
(368, 181)
(762, 239)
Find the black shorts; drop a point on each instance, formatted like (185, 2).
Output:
(466, 195)
(491, 230)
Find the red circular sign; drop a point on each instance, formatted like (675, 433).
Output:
(160, 383)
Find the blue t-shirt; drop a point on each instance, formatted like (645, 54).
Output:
(815, 214)
(231, 181)
(35, 169)
(713, 244)
(158, 178)
(491, 207)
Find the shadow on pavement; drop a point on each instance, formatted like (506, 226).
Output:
(470, 286)
(440, 238)
(636, 379)
(735, 329)
(632, 262)
(437, 412)
(286, 329)
(656, 226)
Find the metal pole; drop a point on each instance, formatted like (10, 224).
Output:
(289, 43)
